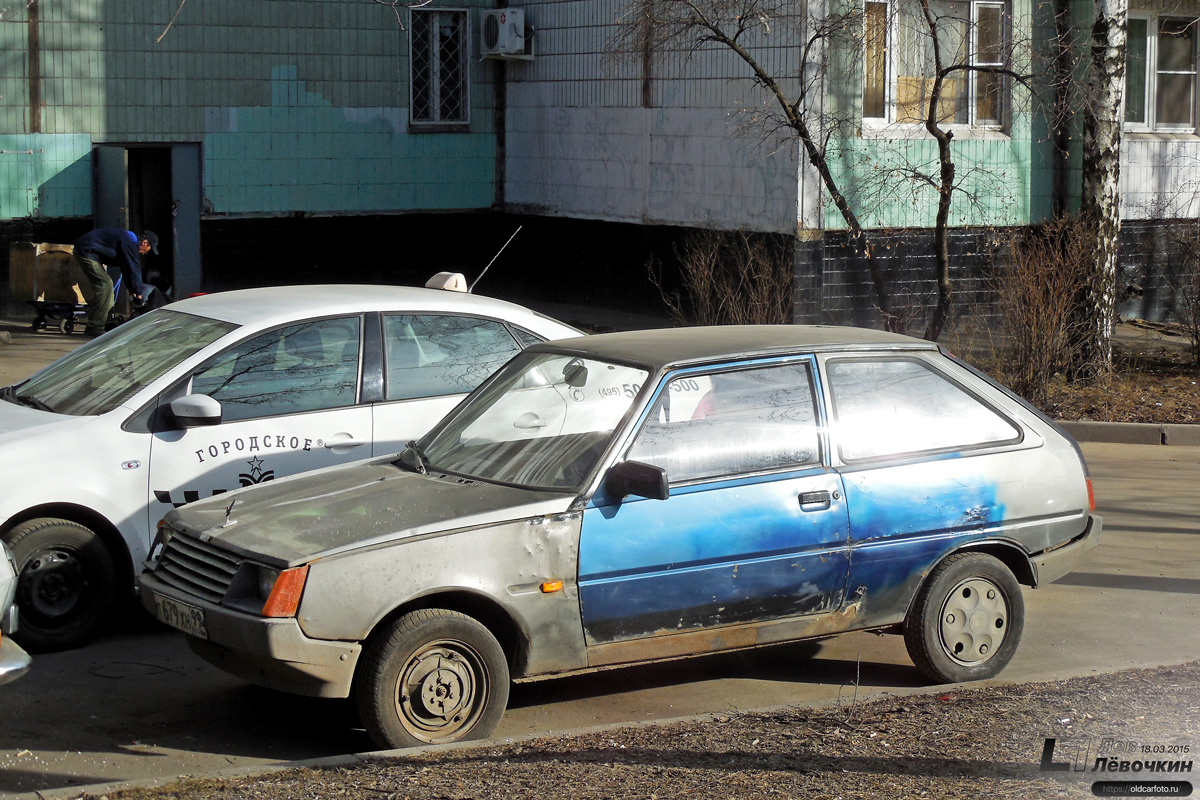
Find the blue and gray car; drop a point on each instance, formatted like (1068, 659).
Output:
(633, 496)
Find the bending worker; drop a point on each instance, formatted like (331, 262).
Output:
(118, 247)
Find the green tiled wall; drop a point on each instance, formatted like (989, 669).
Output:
(299, 105)
(45, 175)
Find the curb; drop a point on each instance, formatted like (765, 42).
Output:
(1132, 432)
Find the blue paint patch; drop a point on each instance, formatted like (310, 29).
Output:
(712, 554)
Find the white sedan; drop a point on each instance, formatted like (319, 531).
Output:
(215, 393)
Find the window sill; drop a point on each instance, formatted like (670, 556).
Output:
(439, 127)
(1162, 136)
(899, 130)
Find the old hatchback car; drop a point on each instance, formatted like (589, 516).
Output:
(633, 496)
(14, 662)
(214, 393)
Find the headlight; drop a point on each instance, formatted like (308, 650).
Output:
(266, 582)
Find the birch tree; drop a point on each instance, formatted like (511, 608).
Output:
(1101, 200)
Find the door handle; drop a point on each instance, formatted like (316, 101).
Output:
(820, 500)
(332, 444)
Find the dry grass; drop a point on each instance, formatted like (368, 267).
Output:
(1154, 380)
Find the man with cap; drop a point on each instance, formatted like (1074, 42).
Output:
(118, 247)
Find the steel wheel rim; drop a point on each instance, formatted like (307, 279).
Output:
(441, 691)
(973, 622)
(53, 585)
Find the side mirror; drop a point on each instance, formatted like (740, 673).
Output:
(639, 479)
(195, 410)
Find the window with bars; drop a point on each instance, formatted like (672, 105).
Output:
(1160, 73)
(899, 64)
(438, 56)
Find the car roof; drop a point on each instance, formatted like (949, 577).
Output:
(268, 306)
(666, 347)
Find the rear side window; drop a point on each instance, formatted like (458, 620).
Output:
(730, 423)
(899, 407)
(433, 355)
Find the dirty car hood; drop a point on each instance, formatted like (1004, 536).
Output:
(330, 511)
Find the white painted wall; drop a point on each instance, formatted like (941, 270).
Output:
(581, 143)
(1160, 176)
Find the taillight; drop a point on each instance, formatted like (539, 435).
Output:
(1091, 495)
(285, 594)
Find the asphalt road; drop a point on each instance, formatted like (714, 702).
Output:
(138, 704)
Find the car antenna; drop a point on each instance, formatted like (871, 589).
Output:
(471, 288)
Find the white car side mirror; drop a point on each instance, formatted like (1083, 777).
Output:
(194, 410)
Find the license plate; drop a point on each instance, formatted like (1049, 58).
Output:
(186, 618)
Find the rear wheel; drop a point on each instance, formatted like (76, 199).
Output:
(967, 619)
(433, 676)
(66, 584)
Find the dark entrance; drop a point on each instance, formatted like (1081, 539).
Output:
(154, 187)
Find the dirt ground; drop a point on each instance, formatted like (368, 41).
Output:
(963, 743)
(1156, 380)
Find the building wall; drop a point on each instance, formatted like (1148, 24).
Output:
(588, 135)
(1160, 177)
(299, 106)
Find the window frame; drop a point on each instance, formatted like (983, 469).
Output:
(188, 383)
(836, 421)
(891, 66)
(806, 362)
(436, 122)
(1150, 87)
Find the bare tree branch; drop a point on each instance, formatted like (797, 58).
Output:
(174, 17)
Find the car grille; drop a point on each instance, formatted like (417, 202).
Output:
(197, 567)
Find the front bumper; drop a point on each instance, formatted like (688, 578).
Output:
(269, 652)
(14, 662)
(1053, 564)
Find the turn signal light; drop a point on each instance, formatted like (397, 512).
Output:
(552, 586)
(285, 595)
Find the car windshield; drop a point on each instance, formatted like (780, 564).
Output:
(102, 374)
(542, 423)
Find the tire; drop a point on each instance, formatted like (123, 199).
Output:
(967, 619)
(432, 676)
(66, 585)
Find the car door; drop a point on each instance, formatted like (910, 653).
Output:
(755, 527)
(289, 403)
(430, 362)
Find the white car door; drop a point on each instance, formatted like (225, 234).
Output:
(430, 362)
(290, 403)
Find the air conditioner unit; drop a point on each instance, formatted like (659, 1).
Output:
(504, 34)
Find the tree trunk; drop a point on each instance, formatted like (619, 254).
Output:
(1101, 206)
(945, 186)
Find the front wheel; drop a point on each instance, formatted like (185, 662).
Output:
(433, 676)
(967, 619)
(66, 583)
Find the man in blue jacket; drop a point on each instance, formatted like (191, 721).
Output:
(118, 247)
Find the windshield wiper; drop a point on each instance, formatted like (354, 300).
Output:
(33, 402)
(420, 462)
